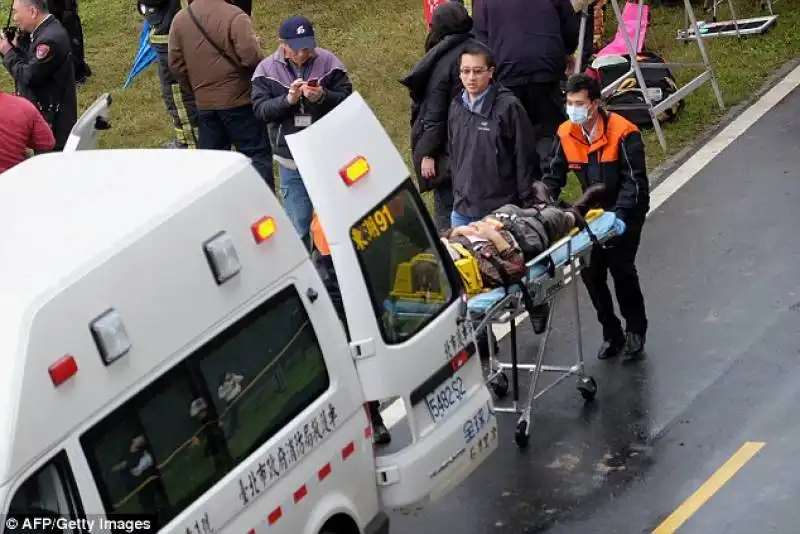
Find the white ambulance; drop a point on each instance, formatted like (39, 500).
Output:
(172, 355)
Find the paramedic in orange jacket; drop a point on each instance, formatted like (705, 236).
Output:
(603, 147)
(324, 264)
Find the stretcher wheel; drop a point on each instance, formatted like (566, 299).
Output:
(521, 435)
(588, 388)
(499, 385)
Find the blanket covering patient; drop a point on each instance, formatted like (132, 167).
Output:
(508, 237)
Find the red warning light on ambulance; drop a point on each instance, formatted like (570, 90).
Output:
(263, 229)
(63, 369)
(355, 170)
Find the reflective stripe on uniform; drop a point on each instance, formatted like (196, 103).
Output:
(186, 134)
(158, 39)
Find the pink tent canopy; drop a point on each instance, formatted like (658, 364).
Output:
(629, 18)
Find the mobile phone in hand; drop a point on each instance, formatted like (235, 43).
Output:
(312, 83)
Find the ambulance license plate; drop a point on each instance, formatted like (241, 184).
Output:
(446, 397)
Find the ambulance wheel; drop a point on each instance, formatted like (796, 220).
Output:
(499, 385)
(588, 388)
(521, 436)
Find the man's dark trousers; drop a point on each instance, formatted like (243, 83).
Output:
(244, 5)
(66, 11)
(219, 129)
(544, 104)
(619, 261)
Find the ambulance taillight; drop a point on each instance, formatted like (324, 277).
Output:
(355, 170)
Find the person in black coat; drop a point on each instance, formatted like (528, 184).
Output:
(66, 11)
(42, 66)
(432, 84)
(531, 41)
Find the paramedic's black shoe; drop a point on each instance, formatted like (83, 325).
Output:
(380, 434)
(609, 349)
(634, 346)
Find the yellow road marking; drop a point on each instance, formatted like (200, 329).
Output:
(720, 477)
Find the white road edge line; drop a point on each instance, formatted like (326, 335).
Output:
(677, 179)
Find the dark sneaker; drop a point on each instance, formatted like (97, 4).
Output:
(609, 349)
(380, 434)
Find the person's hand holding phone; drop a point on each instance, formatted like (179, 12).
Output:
(312, 91)
(295, 91)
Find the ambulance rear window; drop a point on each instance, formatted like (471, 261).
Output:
(170, 443)
(402, 266)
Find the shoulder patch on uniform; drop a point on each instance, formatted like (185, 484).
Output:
(42, 51)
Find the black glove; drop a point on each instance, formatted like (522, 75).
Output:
(593, 196)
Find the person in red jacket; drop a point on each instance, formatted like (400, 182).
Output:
(22, 127)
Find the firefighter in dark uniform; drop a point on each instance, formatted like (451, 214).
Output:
(179, 101)
(66, 11)
(41, 65)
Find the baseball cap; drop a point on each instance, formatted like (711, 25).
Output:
(298, 33)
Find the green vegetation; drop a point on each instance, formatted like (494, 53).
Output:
(379, 42)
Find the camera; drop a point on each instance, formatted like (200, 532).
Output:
(10, 32)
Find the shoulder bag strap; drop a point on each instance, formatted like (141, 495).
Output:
(208, 38)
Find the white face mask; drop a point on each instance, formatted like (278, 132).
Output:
(577, 114)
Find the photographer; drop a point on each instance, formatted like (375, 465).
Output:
(42, 67)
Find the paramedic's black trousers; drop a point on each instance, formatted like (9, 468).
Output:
(180, 102)
(619, 261)
(544, 104)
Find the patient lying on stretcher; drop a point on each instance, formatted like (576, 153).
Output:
(492, 252)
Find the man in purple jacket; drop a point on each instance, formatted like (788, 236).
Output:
(530, 41)
(292, 89)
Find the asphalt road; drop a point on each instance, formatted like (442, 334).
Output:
(719, 265)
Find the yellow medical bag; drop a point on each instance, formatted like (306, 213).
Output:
(419, 278)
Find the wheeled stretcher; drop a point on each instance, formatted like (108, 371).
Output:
(552, 271)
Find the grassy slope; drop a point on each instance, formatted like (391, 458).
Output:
(380, 41)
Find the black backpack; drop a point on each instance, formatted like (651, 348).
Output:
(628, 98)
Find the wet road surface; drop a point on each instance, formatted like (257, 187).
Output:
(719, 264)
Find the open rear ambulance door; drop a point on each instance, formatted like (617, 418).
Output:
(403, 300)
(86, 132)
